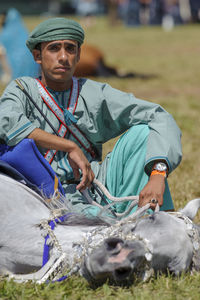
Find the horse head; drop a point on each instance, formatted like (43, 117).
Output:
(134, 250)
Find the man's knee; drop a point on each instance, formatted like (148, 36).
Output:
(135, 138)
(140, 131)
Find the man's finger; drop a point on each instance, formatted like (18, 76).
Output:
(76, 173)
(85, 182)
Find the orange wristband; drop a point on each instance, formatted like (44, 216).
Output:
(156, 172)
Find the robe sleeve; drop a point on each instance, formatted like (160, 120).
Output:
(15, 125)
(113, 112)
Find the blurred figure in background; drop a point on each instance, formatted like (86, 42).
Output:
(88, 9)
(112, 7)
(144, 11)
(195, 10)
(15, 59)
(163, 11)
(5, 70)
(153, 12)
(134, 12)
(132, 16)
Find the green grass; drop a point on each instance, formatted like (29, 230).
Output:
(167, 288)
(174, 58)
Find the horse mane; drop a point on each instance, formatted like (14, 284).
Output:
(76, 219)
(60, 206)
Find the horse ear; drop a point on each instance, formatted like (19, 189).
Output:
(191, 209)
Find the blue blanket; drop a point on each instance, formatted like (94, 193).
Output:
(29, 163)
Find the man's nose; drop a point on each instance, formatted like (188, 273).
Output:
(63, 56)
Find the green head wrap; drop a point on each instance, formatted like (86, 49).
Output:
(55, 29)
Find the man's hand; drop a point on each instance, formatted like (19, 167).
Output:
(78, 162)
(76, 157)
(154, 189)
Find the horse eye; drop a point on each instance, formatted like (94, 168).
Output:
(133, 227)
(111, 243)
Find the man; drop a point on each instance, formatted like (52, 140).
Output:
(141, 159)
(195, 8)
(160, 9)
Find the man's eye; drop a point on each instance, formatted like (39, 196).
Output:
(53, 48)
(71, 49)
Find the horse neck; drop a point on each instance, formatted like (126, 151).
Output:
(68, 236)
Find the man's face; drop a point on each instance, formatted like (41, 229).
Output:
(58, 61)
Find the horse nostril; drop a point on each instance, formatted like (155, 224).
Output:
(112, 243)
(122, 272)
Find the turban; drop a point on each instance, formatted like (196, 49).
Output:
(55, 29)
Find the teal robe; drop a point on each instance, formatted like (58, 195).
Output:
(102, 113)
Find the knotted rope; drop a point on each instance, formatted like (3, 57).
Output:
(105, 193)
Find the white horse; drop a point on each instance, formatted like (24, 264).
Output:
(130, 248)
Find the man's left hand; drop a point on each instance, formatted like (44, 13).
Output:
(154, 189)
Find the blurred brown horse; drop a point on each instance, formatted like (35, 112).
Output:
(92, 63)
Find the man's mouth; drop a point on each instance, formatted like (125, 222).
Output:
(62, 69)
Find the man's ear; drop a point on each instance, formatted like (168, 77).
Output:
(37, 55)
(79, 54)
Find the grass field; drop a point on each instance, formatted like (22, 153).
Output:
(174, 58)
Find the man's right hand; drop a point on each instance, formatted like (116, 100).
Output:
(78, 161)
(76, 157)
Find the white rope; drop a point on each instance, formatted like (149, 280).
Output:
(133, 199)
(112, 198)
(120, 215)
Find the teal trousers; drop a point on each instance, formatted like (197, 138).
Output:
(125, 173)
